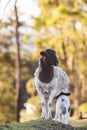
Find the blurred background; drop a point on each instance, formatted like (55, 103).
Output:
(26, 28)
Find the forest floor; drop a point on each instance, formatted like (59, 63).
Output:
(74, 124)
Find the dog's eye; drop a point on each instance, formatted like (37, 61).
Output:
(62, 99)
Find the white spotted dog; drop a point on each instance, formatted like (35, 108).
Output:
(63, 108)
(49, 80)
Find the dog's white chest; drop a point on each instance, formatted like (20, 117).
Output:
(46, 87)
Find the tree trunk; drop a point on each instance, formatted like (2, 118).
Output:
(64, 53)
(56, 2)
(18, 64)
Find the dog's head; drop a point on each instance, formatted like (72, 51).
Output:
(48, 57)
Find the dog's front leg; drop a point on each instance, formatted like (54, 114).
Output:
(43, 102)
(51, 96)
(56, 114)
(43, 115)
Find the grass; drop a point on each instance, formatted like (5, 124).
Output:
(75, 124)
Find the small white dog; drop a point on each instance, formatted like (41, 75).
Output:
(63, 108)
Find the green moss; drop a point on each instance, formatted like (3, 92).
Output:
(82, 128)
(36, 125)
(39, 125)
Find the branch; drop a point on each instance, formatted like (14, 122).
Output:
(6, 6)
(18, 64)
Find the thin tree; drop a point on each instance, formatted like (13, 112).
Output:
(18, 62)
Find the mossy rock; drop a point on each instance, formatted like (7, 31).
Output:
(37, 125)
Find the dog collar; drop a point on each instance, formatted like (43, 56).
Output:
(62, 93)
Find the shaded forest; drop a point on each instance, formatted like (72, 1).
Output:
(61, 25)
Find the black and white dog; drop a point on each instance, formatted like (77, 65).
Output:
(63, 108)
(49, 80)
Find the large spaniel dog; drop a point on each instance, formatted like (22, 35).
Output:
(50, 80)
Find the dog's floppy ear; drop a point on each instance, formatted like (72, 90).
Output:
(42, 53)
